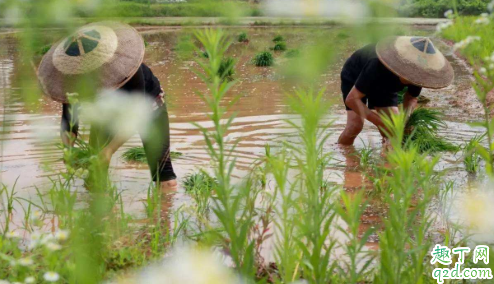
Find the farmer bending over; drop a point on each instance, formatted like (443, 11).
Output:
(374, 75)
(112, 55)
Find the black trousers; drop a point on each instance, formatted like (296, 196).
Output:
(156, 142)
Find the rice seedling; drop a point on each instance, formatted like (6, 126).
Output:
(365, 156)
(278, 38)
(200, 186)
(226, 70)
(199, 181)
(264, 59)
(472, 158)
(242, 37)
(280, 46)
(422, 132)
(138, 154)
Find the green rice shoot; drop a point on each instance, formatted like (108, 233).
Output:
(199, 181)
(264, 59)
(137, 154)
(280, 46)
(278, 38)
(242, 37)
(422, 132)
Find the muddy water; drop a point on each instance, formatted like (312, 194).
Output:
(29, 158)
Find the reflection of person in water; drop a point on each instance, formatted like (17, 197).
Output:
(374, 75)
(114, 53)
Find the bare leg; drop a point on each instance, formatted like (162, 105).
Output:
(354, 125)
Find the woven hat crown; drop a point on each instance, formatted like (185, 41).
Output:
(108, 52)
(85, 50)
(417, 60)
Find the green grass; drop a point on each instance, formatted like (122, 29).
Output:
(192, 9)
(264, 59)
(137, 154)
(423, 126)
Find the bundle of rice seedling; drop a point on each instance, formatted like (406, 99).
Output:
(137, 154)
(227, 70)
(199, 181)
(280, 46)
(422, 131)
(264, 59)
(242, 37)
(77, 157)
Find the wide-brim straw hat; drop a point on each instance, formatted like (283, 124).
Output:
(416, 60)
(111, 52)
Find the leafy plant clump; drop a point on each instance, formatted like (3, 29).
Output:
(472, 159)
(199, 181)
(242, 37)
(264, 59)
(280, 46)
(137, 154)
(77, 157)
(278, 38)
(227, 70)
(422, 131)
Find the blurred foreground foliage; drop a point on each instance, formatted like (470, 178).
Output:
(437, 8)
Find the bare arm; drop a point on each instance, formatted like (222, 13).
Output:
(113, 146)
(354, 101)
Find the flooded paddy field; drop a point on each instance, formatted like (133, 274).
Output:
(30, 158)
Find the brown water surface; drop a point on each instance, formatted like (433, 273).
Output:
(27, 135)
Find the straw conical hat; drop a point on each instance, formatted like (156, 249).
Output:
(416, 60)
(110, 51)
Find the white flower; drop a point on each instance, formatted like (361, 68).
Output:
(207, 268)
(53, 246)
(12, 235)
(4, 281)
(25, 261)
(449, 14)
(51, 276)
(29, 280)
(483, 70)
(36, 215)
(120, 113)
(474, 210)
(62, 235)
(464, 43)
(484, 15)
(482, 21)
(442, 26)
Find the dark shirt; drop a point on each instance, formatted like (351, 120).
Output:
(365, 71)
(143, 81)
